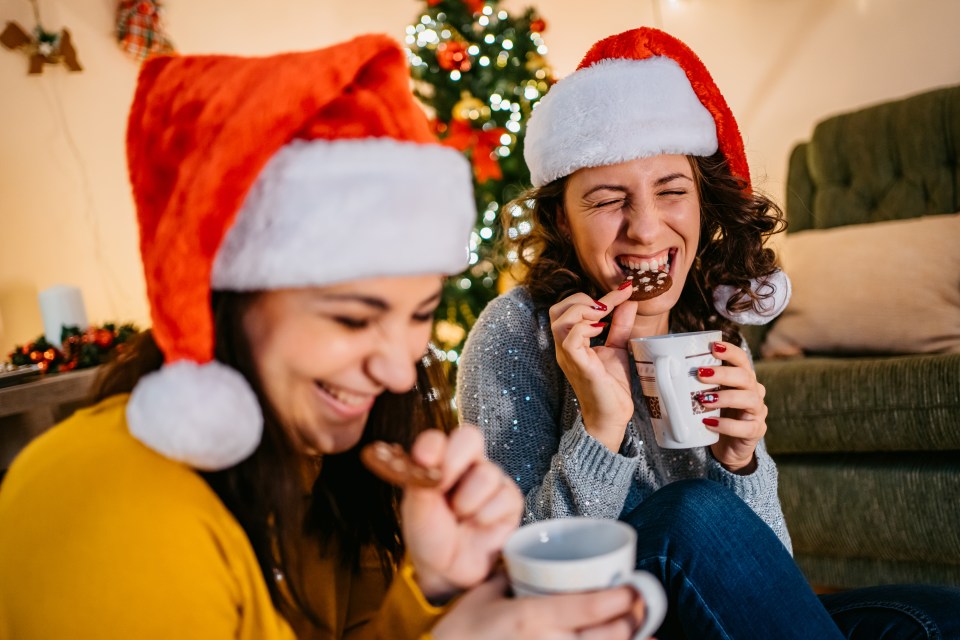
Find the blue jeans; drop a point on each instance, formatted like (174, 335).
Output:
(729, 577)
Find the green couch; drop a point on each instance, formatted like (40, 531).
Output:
(869, 447)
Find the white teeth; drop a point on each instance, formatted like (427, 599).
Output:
(345, 397)
(657, 264)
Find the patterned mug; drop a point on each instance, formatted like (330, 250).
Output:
(667, 366)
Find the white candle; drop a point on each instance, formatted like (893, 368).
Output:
(61, 306)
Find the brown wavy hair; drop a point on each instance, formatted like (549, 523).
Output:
(735, 224)
(347, 506)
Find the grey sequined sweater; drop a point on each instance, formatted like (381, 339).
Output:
(510, 385)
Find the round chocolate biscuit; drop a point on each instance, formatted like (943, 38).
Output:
(649, 284)
(390, 463)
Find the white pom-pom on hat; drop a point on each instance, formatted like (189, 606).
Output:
(205, 415)
(774, 290)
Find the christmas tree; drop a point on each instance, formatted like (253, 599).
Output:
(479, 71)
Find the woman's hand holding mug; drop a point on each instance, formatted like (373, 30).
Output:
(742, 422)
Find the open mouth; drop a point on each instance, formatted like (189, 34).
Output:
(650, 274)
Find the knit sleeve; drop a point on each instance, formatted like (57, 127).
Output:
(509, 385)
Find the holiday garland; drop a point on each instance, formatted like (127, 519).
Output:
(79, 350)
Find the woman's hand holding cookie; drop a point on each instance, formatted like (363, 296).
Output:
(600, 375)
(743, 414)
(454, 531)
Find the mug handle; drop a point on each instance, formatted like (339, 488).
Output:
(663, 368)
(654, 598)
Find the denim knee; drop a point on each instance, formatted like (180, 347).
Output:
(695, 511)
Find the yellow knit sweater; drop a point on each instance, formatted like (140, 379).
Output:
(101, 537)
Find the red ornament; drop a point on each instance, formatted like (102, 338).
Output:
(103, 338)
(475, 6)
(538, 25)
(453, 56)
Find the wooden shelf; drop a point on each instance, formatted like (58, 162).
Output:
(30, 408)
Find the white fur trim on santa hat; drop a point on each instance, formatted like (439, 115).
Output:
(326, 211)
(206, 416)
(614, 111)
(776, 285)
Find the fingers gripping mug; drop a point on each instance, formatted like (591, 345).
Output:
(667, 366)
(569, 555)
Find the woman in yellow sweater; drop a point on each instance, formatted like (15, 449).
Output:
(296, 218)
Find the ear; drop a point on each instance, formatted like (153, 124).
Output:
(562, 223)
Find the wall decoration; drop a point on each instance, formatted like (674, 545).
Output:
(140, 29)
(41, 47)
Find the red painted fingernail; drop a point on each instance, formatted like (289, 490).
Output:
(599, 324)
(599, 306)
(708, 398)
(705, 372)
(719, 347)
(625, 284)
(711, 422)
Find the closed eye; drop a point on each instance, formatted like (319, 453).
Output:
(352, 323)
(426, 315)
(423, 317)
(609, 203)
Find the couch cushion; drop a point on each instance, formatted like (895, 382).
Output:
(908, 403)
(886, 287)
(893, 512)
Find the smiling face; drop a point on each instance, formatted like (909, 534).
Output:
(324, 354)
(637, 216)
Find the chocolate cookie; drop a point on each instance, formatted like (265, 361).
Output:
(649, 284)
(390, 463)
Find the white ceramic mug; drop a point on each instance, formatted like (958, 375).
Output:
(667, 366)
(569, 555)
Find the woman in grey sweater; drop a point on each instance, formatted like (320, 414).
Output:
(569, 423)
(644, 222)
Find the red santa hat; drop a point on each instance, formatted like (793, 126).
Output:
(639, 94)
(295, 170)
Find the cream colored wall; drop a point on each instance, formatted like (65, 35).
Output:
(65, 210)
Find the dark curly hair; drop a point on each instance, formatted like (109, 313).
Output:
(735, 224)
